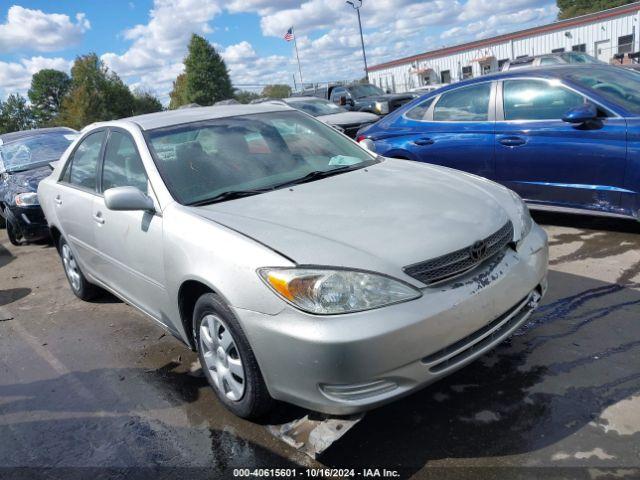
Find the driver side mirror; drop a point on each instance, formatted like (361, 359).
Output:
(582, 114)
(128, 199)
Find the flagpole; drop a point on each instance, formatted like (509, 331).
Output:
(295, 44)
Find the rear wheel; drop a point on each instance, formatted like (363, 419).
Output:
(227, 359)
(79, 284)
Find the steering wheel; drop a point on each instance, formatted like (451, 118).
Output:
(608, 87)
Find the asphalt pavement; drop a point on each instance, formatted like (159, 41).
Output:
(96, 390)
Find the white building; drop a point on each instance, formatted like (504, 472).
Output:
(609, 35)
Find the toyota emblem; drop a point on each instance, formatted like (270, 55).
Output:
(478, 250)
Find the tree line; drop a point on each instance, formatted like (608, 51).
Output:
(94, 93)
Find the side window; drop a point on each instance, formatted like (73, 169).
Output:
(419, 112)
(336, 93)
(468, 104)
(82, 169)
(537, 100)
(122, 164)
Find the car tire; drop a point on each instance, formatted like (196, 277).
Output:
(13, 234)
(227, 359)
(80, 286)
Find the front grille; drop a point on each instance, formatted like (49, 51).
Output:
(395, 104)
(458, 262)
(352, 130)
(479, 339)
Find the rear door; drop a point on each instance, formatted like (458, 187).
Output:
(456, 130)
(131, 258)
(550, 161)
(75, 196)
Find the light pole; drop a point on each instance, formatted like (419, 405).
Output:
(356, 4)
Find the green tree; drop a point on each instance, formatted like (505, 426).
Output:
(15, 114)
(244, 96)
(178, 95)
(276, 91)
(205, 79)
(144, 101)
(96, 94)
(574, 8)
(48, 88)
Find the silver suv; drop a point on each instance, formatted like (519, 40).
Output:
(299, 265)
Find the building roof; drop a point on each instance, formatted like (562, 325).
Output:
(198, 114)
(13, 136)
(572, 22)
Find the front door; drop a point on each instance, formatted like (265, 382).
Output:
(550, 161)
(74, 200)
(457, 131)
(129, 243)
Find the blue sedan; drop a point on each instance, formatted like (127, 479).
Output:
(565, 138)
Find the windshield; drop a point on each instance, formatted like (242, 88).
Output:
(572, 57)
(31, 152)
(367, 90)
(204, 160)
(317, 107)
(617, 85)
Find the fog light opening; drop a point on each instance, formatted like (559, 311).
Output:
(358, 391)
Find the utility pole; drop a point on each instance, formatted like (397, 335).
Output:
(357, 4)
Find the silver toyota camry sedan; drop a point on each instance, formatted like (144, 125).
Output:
(300, 266)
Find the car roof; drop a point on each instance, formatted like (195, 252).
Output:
(551, 71)
(14, 136)
(169, 118)
(302, 99)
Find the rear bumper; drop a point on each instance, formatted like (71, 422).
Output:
(29, 221)
(349, 363)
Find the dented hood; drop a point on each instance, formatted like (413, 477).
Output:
(381, 218)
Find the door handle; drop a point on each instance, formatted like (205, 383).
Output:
(99, 218)
(512, 141)
(424, 141)
(58, 200)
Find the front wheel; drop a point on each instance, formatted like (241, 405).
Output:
(227, 359)
(12, 232)
(77, 281)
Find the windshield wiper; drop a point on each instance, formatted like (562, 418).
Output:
(318, 174)
(229, 195)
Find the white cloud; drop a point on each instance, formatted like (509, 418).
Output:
(35, 30)
(15, 77)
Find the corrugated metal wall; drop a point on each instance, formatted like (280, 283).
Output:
(593, 35)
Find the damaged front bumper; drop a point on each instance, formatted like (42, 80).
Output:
(350, 363)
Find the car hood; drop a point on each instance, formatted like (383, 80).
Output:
(381, 218)
(26, 181)
(384, 98)
(348, 118)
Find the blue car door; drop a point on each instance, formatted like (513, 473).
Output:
(552, 162)
(454, 129)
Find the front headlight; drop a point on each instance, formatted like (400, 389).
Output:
(382, 107)
(524, 216)
(27, 199)
(326, 291)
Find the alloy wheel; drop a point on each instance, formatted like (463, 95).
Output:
(222, 357)
(71, 267)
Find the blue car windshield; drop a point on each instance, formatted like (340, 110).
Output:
(34, 151)
(617, 85)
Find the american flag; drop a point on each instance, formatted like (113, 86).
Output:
(289, 35)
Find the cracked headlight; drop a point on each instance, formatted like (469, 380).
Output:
(27, 199)
(524, 220)
(326, 291)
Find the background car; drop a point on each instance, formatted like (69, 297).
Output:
(25, 159)
(349, 122)
(549, 59)
(300, 266)
(563, 137)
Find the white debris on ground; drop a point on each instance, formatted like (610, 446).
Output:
(596, 452)
(622, 418)
(313, 436)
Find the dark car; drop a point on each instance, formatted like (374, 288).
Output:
(25, 159)
(563, 137)
(362, 97)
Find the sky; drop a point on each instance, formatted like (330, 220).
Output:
(145, 41)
